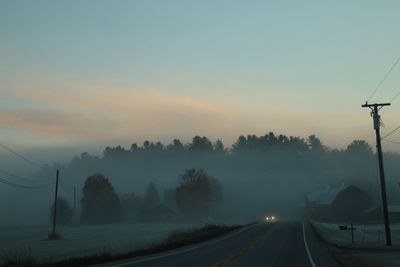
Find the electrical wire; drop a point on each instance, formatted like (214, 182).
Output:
(391, 101)
(390, 133)
(11, 183)
(390, 141)
(394, 97)
(22, 178)
(384, 79)
(5, 181)
(20, 156)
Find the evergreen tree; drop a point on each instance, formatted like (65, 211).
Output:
(152, 197)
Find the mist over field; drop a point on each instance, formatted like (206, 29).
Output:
(84, 78)
(258, 175)
(199, 133)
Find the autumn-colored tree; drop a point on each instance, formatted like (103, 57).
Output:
(100, 203)
(194, 196)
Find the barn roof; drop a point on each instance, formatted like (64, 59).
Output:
(325, 196)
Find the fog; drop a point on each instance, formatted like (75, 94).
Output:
(258, 175)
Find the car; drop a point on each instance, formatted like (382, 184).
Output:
(271, 218)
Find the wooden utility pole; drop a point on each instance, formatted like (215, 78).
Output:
(55, 206)
(377, 125)
(75, 215)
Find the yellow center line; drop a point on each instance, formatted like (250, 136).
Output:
(244, 249)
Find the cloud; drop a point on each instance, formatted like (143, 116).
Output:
(86, 113)
(107, 113)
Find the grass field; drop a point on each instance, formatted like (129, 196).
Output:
(79, 241)
(364, 235)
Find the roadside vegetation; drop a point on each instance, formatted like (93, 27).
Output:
(175, 240)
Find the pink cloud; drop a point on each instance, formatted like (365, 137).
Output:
(77, 112)
(89, 113)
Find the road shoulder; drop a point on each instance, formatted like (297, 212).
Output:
(323, 254)
(355, 256)
(177, 251)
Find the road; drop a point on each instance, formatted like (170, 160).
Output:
(278, 244)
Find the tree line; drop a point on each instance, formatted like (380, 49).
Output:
(269, 143)
(196, 197)
(277, 169)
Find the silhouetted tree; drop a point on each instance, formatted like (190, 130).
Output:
(315, 144)
(84, 160)
(219, 147)
(132, 205)
(152, 210)
(253, 160)
(153, 147)
(269, 143)
(240, 146)
(176, 146)
(194, 194)
(298, 144)
(201, 145)
(359, 147)
(64, 212)
(100, 203)
(134, 148)
(151, 197)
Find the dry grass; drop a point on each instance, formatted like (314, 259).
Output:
(175, 240)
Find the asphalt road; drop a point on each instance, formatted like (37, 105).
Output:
(279, 244)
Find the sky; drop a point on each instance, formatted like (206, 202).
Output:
(81, 75)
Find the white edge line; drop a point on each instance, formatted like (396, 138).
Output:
(308, 251)
(188, 249)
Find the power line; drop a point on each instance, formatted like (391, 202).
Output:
(18, 177)
(20, 156)
(394, 97)
(384, 79)
(390, 133)
(390, 141)
(5, 181)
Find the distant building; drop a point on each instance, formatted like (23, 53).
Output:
(325, 196)
(345, 203)
(318, 203)
(375, 214)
